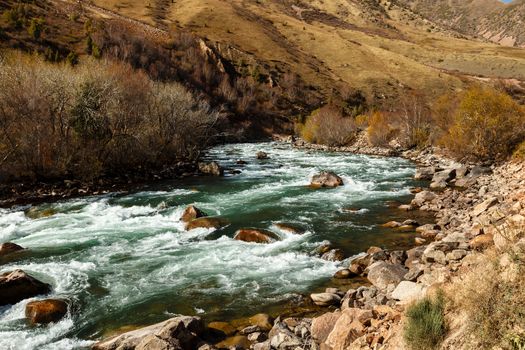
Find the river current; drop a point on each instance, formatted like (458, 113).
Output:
(125, 259)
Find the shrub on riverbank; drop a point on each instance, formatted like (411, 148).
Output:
(480, 124)
(425, 327)
(329, 126)
(99, 118)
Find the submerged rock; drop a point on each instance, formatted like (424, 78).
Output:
(289, 228)
(327, 179)
(333, 255)
(211, 168)
(16, 286)
(207, 222)
(255, 236)
(262, 155)
(38, 213)
(192, 213)
(45, 311)
(8, 248)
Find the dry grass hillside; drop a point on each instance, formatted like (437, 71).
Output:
(378, 47)
(490, 19)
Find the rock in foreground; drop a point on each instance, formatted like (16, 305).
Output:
(179, 333)
(327, 179)
(255, 236)
(46, 311)
(16, 286)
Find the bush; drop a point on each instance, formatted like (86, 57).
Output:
(35, 28)
(425, 327)
(380, 130)
(487, 125)
(519, 152)
(97, 118)
(328, 126)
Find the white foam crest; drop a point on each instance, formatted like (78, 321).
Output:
(66, 278)
(44, 337)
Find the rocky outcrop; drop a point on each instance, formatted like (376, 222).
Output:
(326, 179)
(16, 286)
(178, 333)
(255, 236)
(46, 311)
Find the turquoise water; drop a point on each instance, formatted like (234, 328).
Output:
(125, 259)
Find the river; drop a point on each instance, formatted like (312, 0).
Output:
(125, 259)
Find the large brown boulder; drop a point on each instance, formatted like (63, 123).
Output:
(16, 286)
(46, 311)
(348, 327)
(192, 213)
(255, 236)
(8, 248)
(207, 222)
(323, 325)
(327, 179)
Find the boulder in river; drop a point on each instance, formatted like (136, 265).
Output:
(326, 179)
(8, 248)
(17, 285)
(262, 155)
(255, 236)
(288, 228)
(192, 213)
(46, 311)
(207, 222)
(211, 168)
(333, 255)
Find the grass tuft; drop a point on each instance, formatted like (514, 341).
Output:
(425, 327)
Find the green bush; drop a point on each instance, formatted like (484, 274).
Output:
(425, 327)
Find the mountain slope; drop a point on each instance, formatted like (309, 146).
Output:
(490, 19)
(379, 48)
